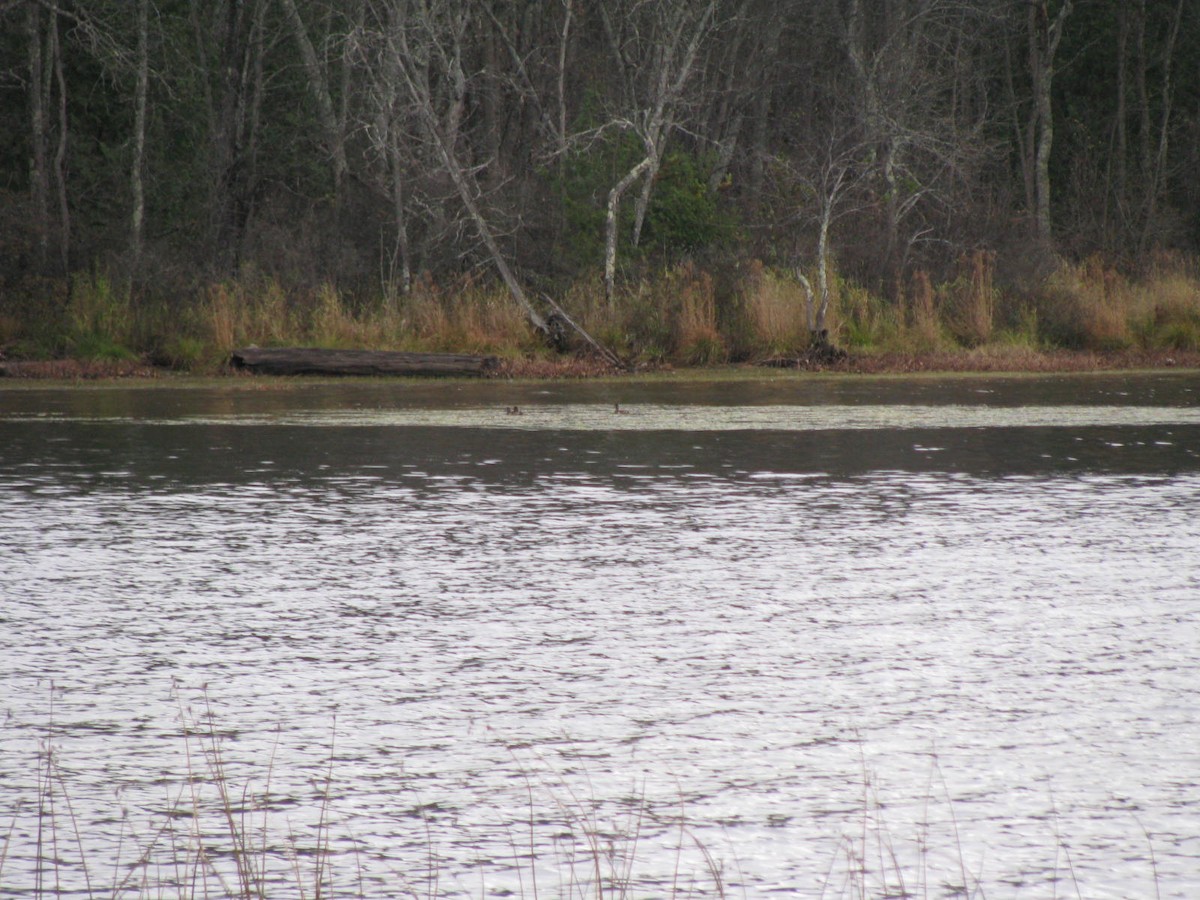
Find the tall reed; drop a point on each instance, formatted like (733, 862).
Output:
(692, 303)
(772, 305)
(970, 299)
(924, 322)
(219, 837)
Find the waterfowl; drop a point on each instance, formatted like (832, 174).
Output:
(513, 410)
(620, 412)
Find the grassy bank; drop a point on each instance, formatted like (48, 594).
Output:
(1084, 316)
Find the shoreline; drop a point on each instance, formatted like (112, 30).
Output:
(987, 361)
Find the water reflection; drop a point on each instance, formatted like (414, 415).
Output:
(995, 625)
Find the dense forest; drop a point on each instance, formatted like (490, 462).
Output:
(699, 179)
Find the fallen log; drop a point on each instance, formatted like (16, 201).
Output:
(313, 361)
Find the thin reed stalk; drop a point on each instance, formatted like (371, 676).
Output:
(597, 845)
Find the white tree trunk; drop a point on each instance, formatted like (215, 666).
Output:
(610, 226)
(642, 206)
(401, 253)
(818, 323)
(1044, 39)
(139, 134)
(561, 86)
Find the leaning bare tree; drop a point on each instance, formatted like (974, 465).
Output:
(425, 42)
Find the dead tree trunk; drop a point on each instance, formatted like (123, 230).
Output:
(313, 361)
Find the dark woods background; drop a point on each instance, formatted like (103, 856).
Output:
(373, 144)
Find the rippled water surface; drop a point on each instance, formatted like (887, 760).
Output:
(955, 623)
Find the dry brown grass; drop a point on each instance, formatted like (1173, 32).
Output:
(1094, 306)
(970, 300)
(469, 316)
(773, 307)
(1088, 306)
(692, 300)
(250, 311)
(683, 315)
(333, 324)
(925, 327)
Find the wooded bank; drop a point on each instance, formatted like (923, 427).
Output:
(356, 143)
(391, 150)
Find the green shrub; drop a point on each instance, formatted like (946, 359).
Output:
(684, 216)
(866, 319)
(1021, 331)
(183, 352)
(92, 346)
(1178, 336)
(97, 309)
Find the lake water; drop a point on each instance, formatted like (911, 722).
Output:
(849, 636)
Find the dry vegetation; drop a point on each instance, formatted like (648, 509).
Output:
(1083, 317)
(225, 830)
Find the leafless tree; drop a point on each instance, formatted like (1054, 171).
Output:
(229, 40)
(388, 118)
(1158, 164)
(425, 45)
(906, 63)
(48, 124)
(38, 88)
(823, 180)
(654, 46)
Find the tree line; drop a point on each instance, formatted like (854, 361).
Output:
(372, 143)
